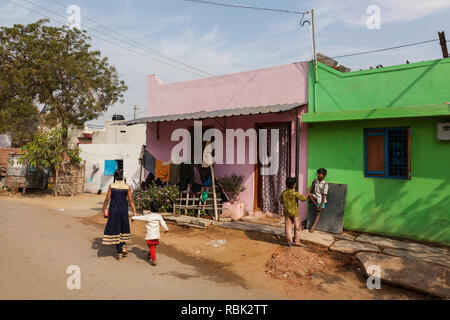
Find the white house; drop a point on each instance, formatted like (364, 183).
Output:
(114, 146)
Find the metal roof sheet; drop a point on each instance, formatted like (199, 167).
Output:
(214, 114)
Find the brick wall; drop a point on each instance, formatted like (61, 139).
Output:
(4, 153)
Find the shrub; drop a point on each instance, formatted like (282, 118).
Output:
(166, 195)
(233, 184)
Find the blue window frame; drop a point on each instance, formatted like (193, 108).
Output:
(387, 153)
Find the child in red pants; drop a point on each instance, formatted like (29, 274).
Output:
(154, 220)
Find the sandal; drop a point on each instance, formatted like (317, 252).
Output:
(124, 251)
(119, 256)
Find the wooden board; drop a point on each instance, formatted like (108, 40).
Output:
(332, 216)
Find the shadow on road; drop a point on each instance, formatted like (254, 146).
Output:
(103, 250)
(139, 253)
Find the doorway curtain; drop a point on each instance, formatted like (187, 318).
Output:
(273, 185)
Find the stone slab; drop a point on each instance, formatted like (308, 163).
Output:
(344, 236)
(417, 275)
(397, 244)
(317, 237)
(352, 247)
(442, 259)
(254, 219)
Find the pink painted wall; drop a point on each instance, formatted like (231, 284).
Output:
(270, 86)
(162, 148)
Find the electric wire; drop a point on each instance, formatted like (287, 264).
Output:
(384, 49)
(152, 51)
(96, 36)
(246, 7)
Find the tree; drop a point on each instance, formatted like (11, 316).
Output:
(20, 119)
(48, 151)
(54, 68)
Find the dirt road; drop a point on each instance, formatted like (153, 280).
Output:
(40, 242)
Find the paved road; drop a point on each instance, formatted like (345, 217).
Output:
(38, 245)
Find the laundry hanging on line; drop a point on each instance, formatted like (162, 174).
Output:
(149, 162)
(162, 171)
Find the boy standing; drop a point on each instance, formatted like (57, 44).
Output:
(317, 194)
(289, 199)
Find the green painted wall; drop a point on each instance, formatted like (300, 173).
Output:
(417, 209)
(414, 84)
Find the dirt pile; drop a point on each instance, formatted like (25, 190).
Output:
(295, 263)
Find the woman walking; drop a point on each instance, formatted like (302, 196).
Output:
(117, 230)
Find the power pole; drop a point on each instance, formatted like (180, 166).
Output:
(135, 108)
(443, 44)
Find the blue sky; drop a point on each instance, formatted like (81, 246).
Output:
(221, 40)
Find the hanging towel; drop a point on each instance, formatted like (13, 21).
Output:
(162, 172)
(110, 167)
(208, 158)
(149, 162)
(174, 173)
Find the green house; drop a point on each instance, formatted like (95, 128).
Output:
(385, 133)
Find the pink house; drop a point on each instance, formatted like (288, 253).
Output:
(266, 98)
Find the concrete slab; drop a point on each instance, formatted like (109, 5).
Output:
(344, 236)
(257, 220)
(442, 259)
(397, 244)
(317, 237)
(417, 275)
(352, 247)
(246, 226)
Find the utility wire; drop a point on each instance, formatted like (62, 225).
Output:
(384, 49)
(96, 36)
(246, 7)
(152, 51)
(101, 32)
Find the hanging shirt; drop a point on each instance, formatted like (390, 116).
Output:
(149, 162)
(154, 220)
(208, 158)
(162, 171)
(174, 173)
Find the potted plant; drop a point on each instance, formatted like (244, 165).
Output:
(234, 185)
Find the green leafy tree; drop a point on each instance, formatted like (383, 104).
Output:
(55, 69)
(48, 151)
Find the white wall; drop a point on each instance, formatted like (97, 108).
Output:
(98, 153)
(120, 134)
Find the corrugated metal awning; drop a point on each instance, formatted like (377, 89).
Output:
(215, 114)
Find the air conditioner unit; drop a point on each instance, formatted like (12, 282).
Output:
(443, 131)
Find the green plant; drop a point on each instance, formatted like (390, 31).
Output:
(233, 184)
(47, 150)
(165, 195)
(191, 213)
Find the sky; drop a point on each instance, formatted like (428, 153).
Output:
(221, 40)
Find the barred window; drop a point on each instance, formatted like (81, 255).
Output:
(387, 153)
